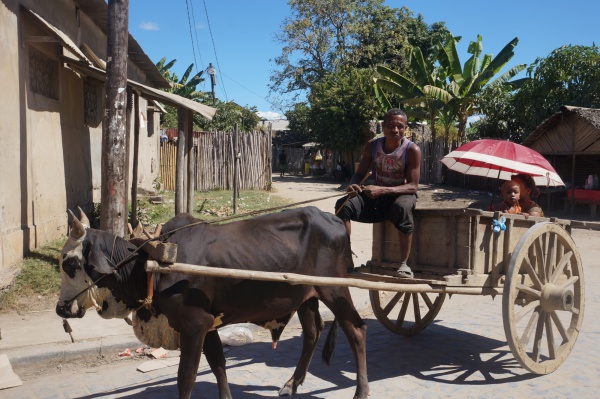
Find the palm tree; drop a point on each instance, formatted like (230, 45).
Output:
(467, 83)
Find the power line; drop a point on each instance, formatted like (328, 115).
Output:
(191, 36)
(214, 49)
(256, 94)
(197, 43)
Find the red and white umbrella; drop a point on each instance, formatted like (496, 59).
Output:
(500, 159)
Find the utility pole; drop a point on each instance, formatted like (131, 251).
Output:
(113, 215)
(213, 79)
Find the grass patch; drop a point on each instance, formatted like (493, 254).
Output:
(38, 281)
(36, 286)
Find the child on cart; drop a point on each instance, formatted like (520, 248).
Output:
(516, 196)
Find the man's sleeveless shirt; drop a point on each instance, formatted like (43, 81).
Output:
(390, 169)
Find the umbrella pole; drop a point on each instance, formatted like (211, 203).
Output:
(496, 189)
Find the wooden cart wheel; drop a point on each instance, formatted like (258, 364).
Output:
(395, 311)
(543, 298)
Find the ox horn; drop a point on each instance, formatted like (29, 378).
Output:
(78, 229)
(83, 218)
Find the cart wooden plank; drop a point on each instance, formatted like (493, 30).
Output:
(353, 280)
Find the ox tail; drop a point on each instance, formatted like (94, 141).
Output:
(329, 347)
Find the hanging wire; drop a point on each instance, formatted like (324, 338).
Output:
(187, 6)
(215, 50)
(197, 44)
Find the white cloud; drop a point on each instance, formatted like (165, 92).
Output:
(149, 26)
(270, 115)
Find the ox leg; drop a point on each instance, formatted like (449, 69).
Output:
(191, 337)
(213, 350)
(338, 299)
(312, 326)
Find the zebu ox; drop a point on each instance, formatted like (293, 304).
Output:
(186, 310)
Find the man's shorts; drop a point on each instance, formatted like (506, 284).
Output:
(396, 209)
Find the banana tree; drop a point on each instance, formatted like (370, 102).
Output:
(413, 98)
(410, 90)
(467, 83)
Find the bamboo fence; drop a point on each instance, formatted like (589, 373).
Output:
(215, 157)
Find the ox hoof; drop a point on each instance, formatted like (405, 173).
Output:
(287, 390)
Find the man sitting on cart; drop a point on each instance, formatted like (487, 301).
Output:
(396, 163)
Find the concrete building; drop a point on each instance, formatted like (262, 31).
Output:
(51, 110)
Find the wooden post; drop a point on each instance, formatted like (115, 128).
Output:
(113, 215)
(191, 161)
(136, 151)
(180, 163)
(235, 167)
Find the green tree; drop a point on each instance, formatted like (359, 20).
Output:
(299, 120)
(341, 105)
(569, 75)
(467, 83)
(229, 114)
(321, 36)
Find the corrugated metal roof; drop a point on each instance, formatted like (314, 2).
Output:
(64, 39)
(573, 130)
(147, 91)
(97, 10)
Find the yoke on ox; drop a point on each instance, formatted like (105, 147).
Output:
(186, 310)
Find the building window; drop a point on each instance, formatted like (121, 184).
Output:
(43, 74)
(92, 103)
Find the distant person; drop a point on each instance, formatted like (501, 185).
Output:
(396, 162)
(282, 163)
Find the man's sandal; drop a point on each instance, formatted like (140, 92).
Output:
(404, 271)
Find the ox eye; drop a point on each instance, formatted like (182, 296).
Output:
(70, 266)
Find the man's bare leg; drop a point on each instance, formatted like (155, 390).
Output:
(405, 241)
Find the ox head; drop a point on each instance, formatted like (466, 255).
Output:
(80, 265)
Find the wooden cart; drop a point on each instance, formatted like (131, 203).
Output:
(534, 264)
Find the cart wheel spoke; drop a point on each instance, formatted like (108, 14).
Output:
(415, 298)
(529, 290)
(529, 329)
(427, 300)
(403, 309)
(393, 302)
(551, 257)
(559, 327)
(395, 312)
(539, 330)
(532, 274)
(539, 254)
(526, 309)
(543, 298)
(561, 266)
(550, 337)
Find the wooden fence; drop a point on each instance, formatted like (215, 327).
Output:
(215, 156)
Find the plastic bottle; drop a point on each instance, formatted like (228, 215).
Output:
(589, 183)
(596, 186)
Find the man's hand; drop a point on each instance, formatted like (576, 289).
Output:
(353, 188)
(373, 191)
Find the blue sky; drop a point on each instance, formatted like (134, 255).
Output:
(238, 35)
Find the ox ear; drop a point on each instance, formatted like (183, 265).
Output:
(99, 263)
